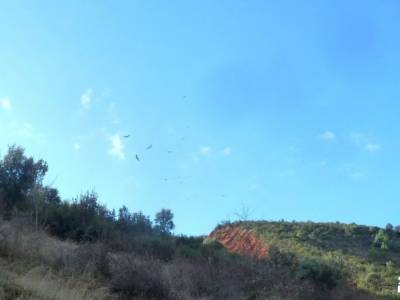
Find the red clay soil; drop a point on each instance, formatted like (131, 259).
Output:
(240, 241)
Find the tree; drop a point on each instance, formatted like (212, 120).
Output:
(244, 214)
(19, 175)
(136, 223)
(164, 221)
(397, 229)
(381, 240)
(43, 199)
(389, 227)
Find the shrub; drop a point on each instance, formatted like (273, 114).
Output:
(389, 227)
(138, 277)
(318, 272)
(373, 281)
(381, 240)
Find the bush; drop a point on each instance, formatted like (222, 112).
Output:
(320, 273)
(389, 227)
(138, 277)
(373, 281)
(381, 240)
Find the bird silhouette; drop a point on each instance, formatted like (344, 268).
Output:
(149, 147)
(137, 157)
(127, 136)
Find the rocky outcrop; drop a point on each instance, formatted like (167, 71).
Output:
(240, 241)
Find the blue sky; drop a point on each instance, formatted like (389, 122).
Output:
(287, 109)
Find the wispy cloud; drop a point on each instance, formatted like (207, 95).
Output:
(86, 99)
(227, 151)
(327, 136)
(352, 171)
(372, 147)
(22, 130)
(323, 163)
(77, 146)
(364, 141)
(205, 150)
(117, 147)
(5, 104)
(357, 174)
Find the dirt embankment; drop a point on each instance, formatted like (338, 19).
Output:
(240, 241)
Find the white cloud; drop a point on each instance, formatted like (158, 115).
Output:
(86, 99)
(21, 132)
(371, 147)
(77, 146)
(27, 131)
(327, 136)
(323, 163)
(352, 171)
(365, 142)
(117, 147)
(205, 150)
(227, 151)
(357, 175)
(254, 186)
(5, 104)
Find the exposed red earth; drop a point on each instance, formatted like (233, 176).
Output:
(240, 241)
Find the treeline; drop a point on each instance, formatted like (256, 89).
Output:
(83, 219)
(135, 257)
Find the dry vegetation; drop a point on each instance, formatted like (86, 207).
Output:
(78, 249)
(37, 266)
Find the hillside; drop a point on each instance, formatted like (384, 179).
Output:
(78, 249)
(37, 266)
(368, 258)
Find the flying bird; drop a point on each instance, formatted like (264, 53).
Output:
(127, 136)
(149, 147)
(137, 157)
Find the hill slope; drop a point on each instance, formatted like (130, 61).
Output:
(368, 258)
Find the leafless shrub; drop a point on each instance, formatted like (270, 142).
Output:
(134, 276)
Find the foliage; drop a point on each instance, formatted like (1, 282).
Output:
(381, 240)
(319, 272)
(389, 227)
(133, 256)
(19, 175)
(164, 221)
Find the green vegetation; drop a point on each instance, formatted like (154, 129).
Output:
(78, 249)
(363, 256)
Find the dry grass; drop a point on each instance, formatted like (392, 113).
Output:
(35, 266)
(46, 285)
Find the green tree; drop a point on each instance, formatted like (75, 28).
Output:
(164, 221)
(389, 227)
(136, 222)
(19, 176)
(381, 240)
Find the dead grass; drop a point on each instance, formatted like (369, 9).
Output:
(46, 285)
(35, 266)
